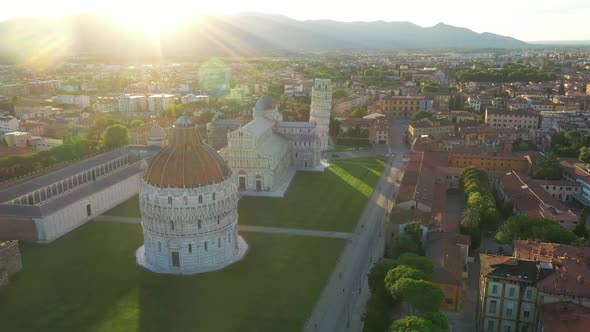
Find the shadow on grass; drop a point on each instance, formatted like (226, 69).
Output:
(88, 281)
(331, 201)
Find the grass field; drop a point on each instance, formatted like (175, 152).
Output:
(88, 281)
(332, 200)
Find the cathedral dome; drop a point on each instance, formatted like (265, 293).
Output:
(186, 162)
(264, 103)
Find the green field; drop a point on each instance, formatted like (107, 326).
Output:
(88, 281)
(332, 200)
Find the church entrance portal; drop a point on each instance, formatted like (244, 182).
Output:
(175, 258)
(242, 184)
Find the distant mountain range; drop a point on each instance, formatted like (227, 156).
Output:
(244, 34)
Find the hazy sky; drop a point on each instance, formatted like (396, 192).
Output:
(528, 20)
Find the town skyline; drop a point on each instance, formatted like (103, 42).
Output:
(524, 20)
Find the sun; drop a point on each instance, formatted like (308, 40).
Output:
(151, 20)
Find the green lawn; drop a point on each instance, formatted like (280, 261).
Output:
(332, 200)
(88, 281)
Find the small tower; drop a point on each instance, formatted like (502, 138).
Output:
(321, 109)
(189, 208)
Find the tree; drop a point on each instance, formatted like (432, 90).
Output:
(377, 275)
(401, 271)
(411, 324)
(114, 136)
(421, 115)
(404, 243)
(471, 218)
(438, 319)
(423, 295)
(417, 262)
(529, 228)
(358, 113)
(547, 168)
(581, 230)
(561, 90)
(334, 127)
(135, 123)
(584, 155)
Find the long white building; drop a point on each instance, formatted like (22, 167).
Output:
(159, 103)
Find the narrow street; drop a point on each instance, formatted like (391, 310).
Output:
(343, 300)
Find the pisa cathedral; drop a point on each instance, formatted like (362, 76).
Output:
(265, 153)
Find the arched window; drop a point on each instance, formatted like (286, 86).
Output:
(200, 198)
(169, 200)
(199, 224)
(213, 196)
(171, 225)
(185, 199)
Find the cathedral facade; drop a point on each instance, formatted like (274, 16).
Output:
(265, 153)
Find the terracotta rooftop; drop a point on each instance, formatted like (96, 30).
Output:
(186, 162)
(571, 266)
(534, 201)
(443, 250)
(565, 316)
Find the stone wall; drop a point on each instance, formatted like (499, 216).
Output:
(10, 260)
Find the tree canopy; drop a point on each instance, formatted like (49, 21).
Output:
(411, 324)
(581, 230)
(547, 168)
(423, 295)
(516, 73)
(114, 136)
(417, 262)
(529, 228)
(421, 115)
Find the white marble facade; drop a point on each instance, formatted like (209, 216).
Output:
(190, 230)
(264, 152)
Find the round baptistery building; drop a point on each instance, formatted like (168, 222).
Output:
(189, 207)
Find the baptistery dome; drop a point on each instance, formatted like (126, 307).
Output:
(188, 204)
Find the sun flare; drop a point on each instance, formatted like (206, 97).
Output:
(149, 19)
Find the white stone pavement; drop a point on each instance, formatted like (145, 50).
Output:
(250, 228)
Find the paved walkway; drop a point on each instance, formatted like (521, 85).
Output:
(249, 228)
(343, 301)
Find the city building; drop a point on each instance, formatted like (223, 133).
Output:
(158, 103)
(533, 288)
(516, 118)
(46, 143)
(9, 124)
(321, 110)
(428, 126)
(490, 162)
(401, 105)
(189, 208)
(530, 199)
(561, 190)
(190, 98)
(18, 139)
(507, 293)
(132, 103)
(448, 252)
(79, 100)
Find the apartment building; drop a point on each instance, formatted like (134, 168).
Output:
(400, 105)
(159, 102)
(79, 100)
(9, 124)
(429, 127)
(515, 119)
(133, 103)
